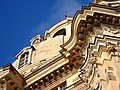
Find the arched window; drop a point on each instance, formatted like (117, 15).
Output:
(23, 59)
(60, 32)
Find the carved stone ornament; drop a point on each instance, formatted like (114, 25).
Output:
(111, 47)
(111, 29)
(87, 72)
(93, 58)
(83, 77)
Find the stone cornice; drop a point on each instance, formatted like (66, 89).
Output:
(9, 76)
(44, 66)
(83, 22)
(81, 17)
(10, 67)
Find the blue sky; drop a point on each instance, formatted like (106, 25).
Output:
(20, 20)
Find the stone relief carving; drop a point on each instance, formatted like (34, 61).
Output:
(118, 47)
(83, 77)
(97, 86)
(118, 50)
(115, 48)
(93, 58)
(110, 47)
(111, 29)
(87, 72)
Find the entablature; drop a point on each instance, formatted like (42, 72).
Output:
(85, 20)
(72, 54)
(10, 78)
(48, 75)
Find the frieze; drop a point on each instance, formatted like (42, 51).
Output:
(115, 30)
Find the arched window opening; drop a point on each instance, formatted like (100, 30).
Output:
(60, 32)
(23, 59)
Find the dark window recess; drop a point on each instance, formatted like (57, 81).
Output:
(111, 76)
(110, 68)
(60, 32)
(23, 59)
(105, 70)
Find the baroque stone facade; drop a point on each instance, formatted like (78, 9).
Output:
(79, 53)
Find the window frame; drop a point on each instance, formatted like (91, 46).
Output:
(60, 32)
(23, 60)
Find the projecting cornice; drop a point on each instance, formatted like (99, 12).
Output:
(10, 76)
(84, 21)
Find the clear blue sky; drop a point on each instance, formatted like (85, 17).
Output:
(20, 20)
